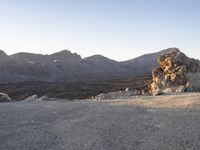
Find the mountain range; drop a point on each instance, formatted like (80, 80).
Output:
(67, 66)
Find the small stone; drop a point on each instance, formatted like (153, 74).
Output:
(127, 89)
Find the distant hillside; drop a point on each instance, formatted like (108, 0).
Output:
(145, 63)
(67, 66)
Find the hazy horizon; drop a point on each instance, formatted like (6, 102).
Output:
(117, 29)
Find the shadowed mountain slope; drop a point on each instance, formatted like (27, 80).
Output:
(67, 66)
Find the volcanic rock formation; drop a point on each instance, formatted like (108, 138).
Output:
(176, 73)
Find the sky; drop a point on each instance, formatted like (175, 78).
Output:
(117, 29)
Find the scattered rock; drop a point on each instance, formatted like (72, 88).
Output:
(45, 98)
(35, 97)
(127, 89)
(5, 98)
(118, 95)
(32, 98)
(145, 92)
(176, 73)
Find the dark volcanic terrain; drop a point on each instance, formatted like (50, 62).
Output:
(72, 89)
(66, 75)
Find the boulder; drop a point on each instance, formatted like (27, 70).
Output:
(5, 98)
(176, 73)
(32, 98)
(45, 98)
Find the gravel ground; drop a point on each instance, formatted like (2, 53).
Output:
(144, 123)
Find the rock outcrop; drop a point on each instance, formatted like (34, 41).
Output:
(45, 98)
(32, 98)
(5, 98)
(176, 73)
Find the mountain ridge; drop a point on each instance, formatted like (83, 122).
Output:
(65, 65)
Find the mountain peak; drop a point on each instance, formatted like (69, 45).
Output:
(2, 53)
(66, 55)
(62, 52)
(169, 50)
(97, 57)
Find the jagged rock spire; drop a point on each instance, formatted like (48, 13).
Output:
(174, 73)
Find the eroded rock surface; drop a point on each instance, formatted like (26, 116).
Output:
(176, 73)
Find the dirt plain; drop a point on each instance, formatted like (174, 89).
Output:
(169, 122)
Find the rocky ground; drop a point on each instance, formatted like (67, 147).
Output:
(143, 123)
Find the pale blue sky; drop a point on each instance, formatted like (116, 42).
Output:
(118, 29)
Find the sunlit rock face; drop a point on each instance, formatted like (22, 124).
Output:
(176, 73)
